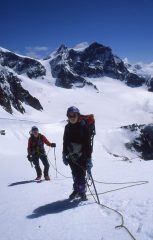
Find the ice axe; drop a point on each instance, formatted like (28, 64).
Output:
(93, 182)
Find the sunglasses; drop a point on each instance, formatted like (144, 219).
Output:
(35, 131)
(74, 115)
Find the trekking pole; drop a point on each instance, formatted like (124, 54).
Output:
(31, 164)
(55, 161)
(90, 174)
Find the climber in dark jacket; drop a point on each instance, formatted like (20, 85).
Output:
(77, 151)
(36, 150)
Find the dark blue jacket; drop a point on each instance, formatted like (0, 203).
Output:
(77, 133)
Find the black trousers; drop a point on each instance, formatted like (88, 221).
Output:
(79, 174)
(44, 160)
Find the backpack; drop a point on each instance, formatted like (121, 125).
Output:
(90, 123)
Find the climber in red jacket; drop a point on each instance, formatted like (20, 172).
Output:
(36, 151)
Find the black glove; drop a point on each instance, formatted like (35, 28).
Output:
(53, 145)
(29, 157)
(65, 159)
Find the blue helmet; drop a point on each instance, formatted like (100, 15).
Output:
(34, 128)
(73, 109)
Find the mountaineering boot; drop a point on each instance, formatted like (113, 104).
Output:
(38, 178)
(73, 195)
(83, 196)
(47, 178)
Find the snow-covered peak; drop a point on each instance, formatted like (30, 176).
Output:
(126, 60)
(64, 49)
(4, 50)
(117, 59)
(81, 46)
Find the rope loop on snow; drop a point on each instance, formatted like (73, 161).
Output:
(97, 201)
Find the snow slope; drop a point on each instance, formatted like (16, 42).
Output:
(37, 211)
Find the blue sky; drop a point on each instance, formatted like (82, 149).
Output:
(37, 27)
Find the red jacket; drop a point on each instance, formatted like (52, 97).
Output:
(36, 144)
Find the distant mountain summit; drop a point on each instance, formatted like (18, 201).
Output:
(70, 67)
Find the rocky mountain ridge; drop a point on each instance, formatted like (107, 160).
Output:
(70, 67)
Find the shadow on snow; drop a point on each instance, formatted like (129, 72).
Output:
(22, 182)
(53, 208)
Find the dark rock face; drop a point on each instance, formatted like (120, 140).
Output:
(134, 80)
(134, 127)
(13, 94)
(143, 141)
(70, 66)
(20, 65)
(150, 85)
